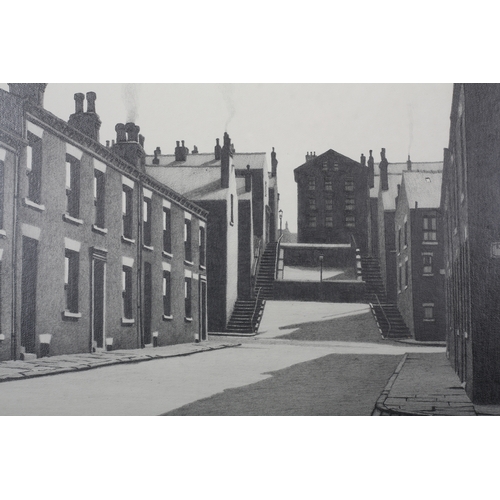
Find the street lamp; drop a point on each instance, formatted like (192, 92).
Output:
(281, 221)
(321, 268)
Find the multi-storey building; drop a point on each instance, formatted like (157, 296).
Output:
(385, 185)
(419, 255)
(470, 200)
(332, 200)
(100, 255)
(224, 183)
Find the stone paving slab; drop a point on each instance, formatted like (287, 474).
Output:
(15, 370)
(424, 384)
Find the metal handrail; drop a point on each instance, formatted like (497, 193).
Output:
(277, 257)
(256, 264)
(385, 316)
(255, 308)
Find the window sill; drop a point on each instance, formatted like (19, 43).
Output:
(31, 204)
(128, 321)
(429, 320)
(429, 242)
(99, 230)
(167, 318)
(188, 263)
(428, 274)
(406, 287)
(127, 240)
(71, 315)
(166, 254)
(231, 223)
(147, 247)
(72, 220)
(188, 320)
(3, 233)
(203, 268)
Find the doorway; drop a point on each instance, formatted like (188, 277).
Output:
(28, 294)
(203, 310)
(148, 302)
(98, 305)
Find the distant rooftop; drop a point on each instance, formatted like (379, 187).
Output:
(423, 188)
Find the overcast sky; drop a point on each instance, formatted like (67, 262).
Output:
(294, 118)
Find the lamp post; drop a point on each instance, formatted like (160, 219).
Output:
(321, 268)
(281, 221)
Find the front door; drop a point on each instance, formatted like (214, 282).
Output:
(28, 294)
(98, 293)
(203, 310)
(148, 302)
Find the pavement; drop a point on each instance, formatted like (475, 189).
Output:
(18, 370)
(424, 384)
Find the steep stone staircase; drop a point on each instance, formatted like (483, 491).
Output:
(387, 315)
(248, 313)
(266, 274)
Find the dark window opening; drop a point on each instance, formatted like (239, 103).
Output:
(127, 292)
(99, 198)
(34, 168)
(167, 303)
(188, 254)
(72, 186)
(71, 275)
(127, 204)
(147, 221)
(202, 246)
(187, 297)
(167, 230)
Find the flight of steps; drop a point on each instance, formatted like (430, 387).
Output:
(243, 319)
(248, 313)
(266, 275)
(389, 319)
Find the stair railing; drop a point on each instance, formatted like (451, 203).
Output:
(254, 325)
(256, 263)
(278, 245)
(385, 315)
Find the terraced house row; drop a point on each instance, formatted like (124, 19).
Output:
(94, 252)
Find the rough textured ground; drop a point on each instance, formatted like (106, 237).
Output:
(330, 385)
(358, 328)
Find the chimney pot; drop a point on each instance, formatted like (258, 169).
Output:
(384, 179)
(107, 144)
(217, 150)
(120, 132)
(141, 140)
(79, 97)
(91, 97)
(408, 163)
(363, 160)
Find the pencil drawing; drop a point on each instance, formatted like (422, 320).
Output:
(219, 279)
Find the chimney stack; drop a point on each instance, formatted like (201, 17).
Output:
(310, 156)
(217, 149)
(34, 92)
(157, 153)
(371, 171)
(180, 152)
(225, 161)
(274, 164)
(384, 179)
(248, 180)
(195, 150)
(408, 164)
(129, 144)
(363, 160)
(88, 122)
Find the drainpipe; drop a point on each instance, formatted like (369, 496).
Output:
(140, 332)
(13, 313)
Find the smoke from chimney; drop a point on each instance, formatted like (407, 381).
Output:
(130, 97)
(227, 91)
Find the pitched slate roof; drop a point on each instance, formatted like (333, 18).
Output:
(308, 164)
(394, 177)
(423, 188)
(195, 183)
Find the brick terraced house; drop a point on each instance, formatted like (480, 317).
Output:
(95, 253)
